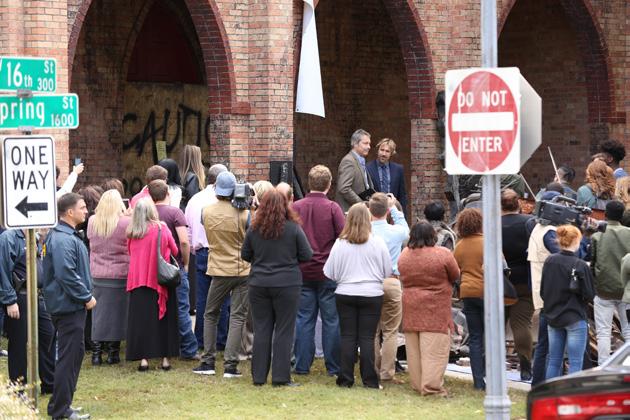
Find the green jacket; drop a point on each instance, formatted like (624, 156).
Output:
(608, 249)
(625, 277)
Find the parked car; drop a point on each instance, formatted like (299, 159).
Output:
(599, 393)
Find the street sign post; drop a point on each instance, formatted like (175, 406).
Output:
(29, 189)
(46, 111)
(28, 73)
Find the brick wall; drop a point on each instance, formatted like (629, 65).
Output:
(539, 39)
(249, 51)
(364, 83)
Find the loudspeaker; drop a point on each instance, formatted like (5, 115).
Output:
(281, 171)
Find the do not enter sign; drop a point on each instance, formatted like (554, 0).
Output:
(483, 121)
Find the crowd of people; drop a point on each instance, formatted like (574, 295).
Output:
(265, 267)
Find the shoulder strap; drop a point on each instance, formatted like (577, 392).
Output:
(159, 239)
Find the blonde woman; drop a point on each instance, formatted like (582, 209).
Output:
(109, 263)
(622, 193)
(599, 187)
(358, 263)
(152, 329)
(193, 174)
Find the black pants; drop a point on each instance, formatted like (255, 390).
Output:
(17, 333)
(71, 348)
(274, 310)
(358, 319)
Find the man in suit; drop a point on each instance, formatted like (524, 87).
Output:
(352, 177)
(388, 176)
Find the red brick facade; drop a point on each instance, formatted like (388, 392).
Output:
(383, 62)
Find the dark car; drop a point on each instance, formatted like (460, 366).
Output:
(599, 393)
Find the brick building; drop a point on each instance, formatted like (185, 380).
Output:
(222, 74)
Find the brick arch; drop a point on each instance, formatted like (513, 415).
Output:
(594, 51)
(416, 55)
(217, 57)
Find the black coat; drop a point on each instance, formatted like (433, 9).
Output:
(561, 306)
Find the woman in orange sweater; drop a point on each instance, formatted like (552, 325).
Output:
(469, 255)
(427, 273)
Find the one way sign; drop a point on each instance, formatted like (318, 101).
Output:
(28, 171)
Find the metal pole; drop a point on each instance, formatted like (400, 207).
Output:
(31, 290)
(497, 403)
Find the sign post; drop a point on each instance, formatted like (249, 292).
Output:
(493, 126)
(28, 167)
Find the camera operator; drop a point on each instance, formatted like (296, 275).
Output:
(608, 248)
(225, 223)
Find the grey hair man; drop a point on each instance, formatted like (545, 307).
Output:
(353, 182)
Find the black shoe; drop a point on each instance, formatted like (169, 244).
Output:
(204, 369)
(231, 372)
(526, 369)
(290, 383)
(96, 353)
(143, 368)
(165, 368)
(113, 353)
(399, 367)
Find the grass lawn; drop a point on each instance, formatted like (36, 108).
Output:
(120, 392)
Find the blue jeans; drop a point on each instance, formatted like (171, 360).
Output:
(539, 368)
(317, 296)
(203, 285)
(572, 336)
(473, 309)
(188, 343)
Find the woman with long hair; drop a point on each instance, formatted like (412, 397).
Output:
(622, 193)
(427, 274)
(152, 329)
(599, 187)
(358, 263)
(565, 309)
(468, 253)
(275, 245)
(173, 180)
(192, 173)
(109, 263)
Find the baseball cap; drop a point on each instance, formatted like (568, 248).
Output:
(224, 186)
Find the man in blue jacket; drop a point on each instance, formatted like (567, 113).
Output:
(388, 176)
(13, 298)
(67, 288)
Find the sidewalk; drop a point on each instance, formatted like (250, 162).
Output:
(464, 373)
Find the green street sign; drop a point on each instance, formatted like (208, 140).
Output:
(35, 74)
(46, 111)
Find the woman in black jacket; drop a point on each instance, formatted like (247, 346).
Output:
(193, 174)
(275, 245)
(566, 302)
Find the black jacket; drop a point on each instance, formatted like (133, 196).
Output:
(516, 235)
(275, 262)
(561, 306)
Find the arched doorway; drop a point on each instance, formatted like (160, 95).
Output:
(559, 50)
(376, 75)
(151, 76)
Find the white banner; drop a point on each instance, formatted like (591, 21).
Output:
(310, 98)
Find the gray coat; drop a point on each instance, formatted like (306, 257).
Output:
(350, 182)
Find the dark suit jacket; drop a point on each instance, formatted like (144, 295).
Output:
(396, 181)
(350, 182)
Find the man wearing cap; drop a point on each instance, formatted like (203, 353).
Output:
(225, 227)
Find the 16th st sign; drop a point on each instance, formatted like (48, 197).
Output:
(29, 192)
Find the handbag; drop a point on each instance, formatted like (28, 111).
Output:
(510, 297)
(168, 274)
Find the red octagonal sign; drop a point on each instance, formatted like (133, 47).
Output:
(482, 121)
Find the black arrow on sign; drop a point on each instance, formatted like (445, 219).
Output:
(24, 207)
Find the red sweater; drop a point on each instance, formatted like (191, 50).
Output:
(427, 275)
(143, 262)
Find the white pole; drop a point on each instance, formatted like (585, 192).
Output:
(496, 403)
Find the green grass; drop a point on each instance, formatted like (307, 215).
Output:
(120, 392)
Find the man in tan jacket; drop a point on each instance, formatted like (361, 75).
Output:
(225, 228)
(352, 177)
